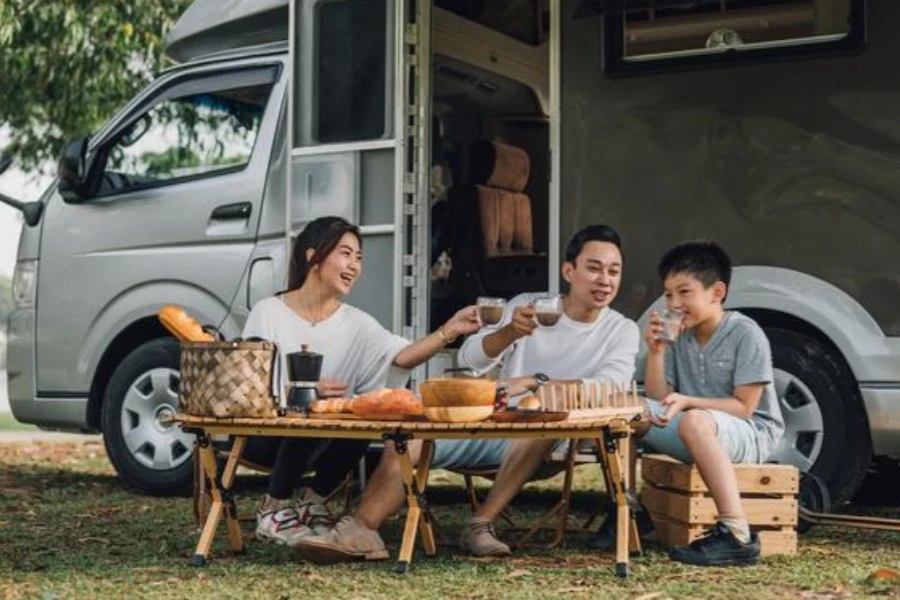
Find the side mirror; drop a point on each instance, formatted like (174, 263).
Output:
(72, 171)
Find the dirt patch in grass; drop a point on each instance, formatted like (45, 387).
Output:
(69, 529)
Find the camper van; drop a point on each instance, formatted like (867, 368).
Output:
(469, 140)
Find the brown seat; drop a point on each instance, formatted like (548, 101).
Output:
(493, 245)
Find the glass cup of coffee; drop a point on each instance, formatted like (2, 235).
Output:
(548, 309)
(490, 310)
(671, 325)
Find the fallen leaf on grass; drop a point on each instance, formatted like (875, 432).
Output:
(838, 592)
(314, 577)
(85, 540)
(154, 569)
(650, 596)
(823, 550)
(884, 575)
(518, 573)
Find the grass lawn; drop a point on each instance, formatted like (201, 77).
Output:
(8, 423)
(68, 529)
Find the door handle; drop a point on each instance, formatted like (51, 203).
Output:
(227, 212)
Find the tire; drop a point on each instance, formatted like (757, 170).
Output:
(149, 456)
(826, 428)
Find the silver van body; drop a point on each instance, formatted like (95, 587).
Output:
(92, 274)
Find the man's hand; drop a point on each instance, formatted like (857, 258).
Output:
(673, 403)
(522, 323)
(330, 388)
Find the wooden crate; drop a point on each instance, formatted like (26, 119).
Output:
(682, 509)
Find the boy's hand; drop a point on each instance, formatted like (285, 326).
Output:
(654, 330)
(523, 323)
(673, 403)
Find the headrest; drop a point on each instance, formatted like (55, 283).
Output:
(497, 165)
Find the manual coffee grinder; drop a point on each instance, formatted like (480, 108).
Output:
(304, 369)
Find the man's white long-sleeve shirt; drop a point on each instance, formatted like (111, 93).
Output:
(603, 350)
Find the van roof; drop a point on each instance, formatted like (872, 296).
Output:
(228, 29)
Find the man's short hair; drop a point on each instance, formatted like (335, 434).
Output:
(591, 233)
(704, 260)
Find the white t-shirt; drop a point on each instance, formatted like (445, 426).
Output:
(356, 349)
(603, 350)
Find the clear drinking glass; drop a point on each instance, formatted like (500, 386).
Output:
(490, 310)
(548, 309)
(671, 325)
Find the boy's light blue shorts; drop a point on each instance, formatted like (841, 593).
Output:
(739, 436)
(474, 453)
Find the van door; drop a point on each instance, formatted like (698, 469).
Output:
(174, 219)
(359, 126)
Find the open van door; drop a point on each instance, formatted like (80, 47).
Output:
(359, 113)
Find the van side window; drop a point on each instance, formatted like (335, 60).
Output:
(351, 50)
(661, 36)
(186, 137)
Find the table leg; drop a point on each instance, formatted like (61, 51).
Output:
(222, 501)
(616, 443)
(425, 519)
(414, 483)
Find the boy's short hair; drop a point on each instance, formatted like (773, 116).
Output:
(702, 259)
(591, 233)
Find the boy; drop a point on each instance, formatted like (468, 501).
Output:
(591, 341)
(712, 398)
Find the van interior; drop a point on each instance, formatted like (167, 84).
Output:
(489, 168)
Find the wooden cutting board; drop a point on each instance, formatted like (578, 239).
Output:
(528, 416)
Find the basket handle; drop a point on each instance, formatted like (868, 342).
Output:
(214, 331)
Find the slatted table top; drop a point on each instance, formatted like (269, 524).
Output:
(299, 423)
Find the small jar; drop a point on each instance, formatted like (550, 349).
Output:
(501, 400)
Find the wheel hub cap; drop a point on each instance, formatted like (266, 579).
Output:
(151, 438)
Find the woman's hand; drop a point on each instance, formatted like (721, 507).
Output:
(673, 403)
(330, 388)
(523, 323)
(464, 322)
(654, 330)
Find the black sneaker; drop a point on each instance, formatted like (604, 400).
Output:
(605, 539)
(718, 548)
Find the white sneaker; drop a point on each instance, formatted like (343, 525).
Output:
(312, 512)
(280, 522)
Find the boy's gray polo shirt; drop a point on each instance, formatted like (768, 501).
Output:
(737, 354)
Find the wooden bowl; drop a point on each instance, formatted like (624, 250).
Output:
(458, 414)
(454, 393)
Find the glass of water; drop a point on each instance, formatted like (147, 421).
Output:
(671, 325)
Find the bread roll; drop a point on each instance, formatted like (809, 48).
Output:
(529, 403)
(387, 402)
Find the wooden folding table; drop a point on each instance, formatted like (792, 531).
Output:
(611, 428)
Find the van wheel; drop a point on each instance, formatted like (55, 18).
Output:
(149, 454)
(826, 429)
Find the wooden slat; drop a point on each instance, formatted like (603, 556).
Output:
(779, 541)
(696, 509)
(752, 479)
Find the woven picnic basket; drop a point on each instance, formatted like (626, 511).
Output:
(228, 379)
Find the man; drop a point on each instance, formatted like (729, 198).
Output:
(590, 342)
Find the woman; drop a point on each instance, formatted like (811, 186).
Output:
(359, 355)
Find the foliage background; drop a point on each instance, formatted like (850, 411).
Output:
(67, 65)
